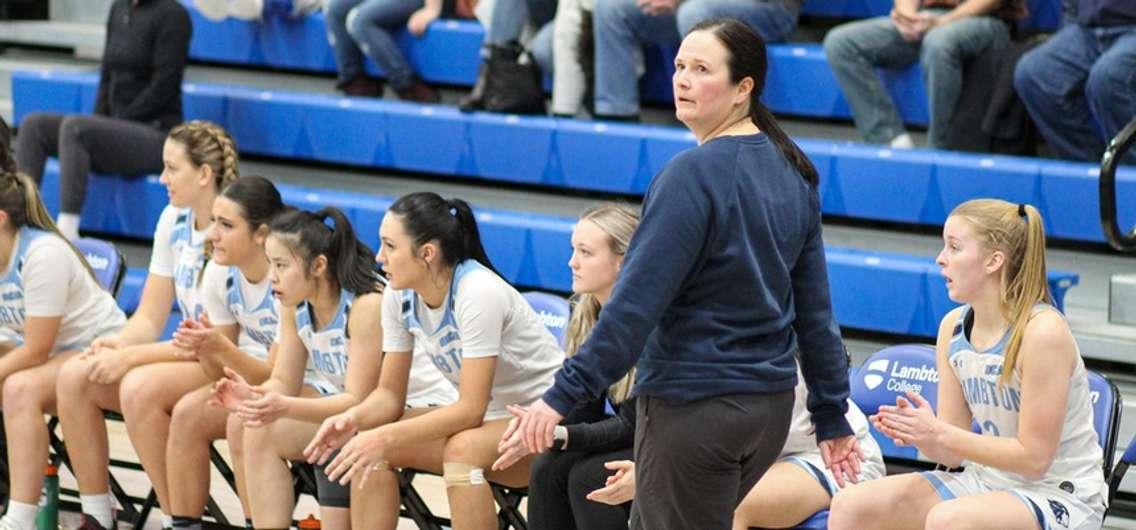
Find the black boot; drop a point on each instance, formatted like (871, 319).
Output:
(475, 100)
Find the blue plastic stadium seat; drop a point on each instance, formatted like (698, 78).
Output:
(818, 521)
(1069, 191)
(663, 143)
(960, 177)
(1106, 401)
(131, 291)
(553, 311)
(348, 130)
(889, 373)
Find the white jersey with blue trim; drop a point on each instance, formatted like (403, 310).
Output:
(802, 433)
(482, 316)
(179, 253)
(45, 278)
(229, 299)
(327, 346)
(1076, 467)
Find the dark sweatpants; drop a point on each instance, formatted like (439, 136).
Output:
(694, 463)
(85, 143)
(558, 489)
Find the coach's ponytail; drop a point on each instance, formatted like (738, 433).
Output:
(350, 263)
(428, 217)
(19, 198)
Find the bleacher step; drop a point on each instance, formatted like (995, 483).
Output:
(86, 39)
(1122, 299)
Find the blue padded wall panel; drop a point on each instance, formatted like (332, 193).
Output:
(861, 171)
(430, 138)
(598, 155)
(512, 148)
(961, 177)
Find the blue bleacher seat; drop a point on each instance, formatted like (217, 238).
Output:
(1107, 404)
(553, 310)
(877, 291)
(609, 157)
(105, 260)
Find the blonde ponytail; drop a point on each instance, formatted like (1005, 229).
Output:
(1017, 230)
(19, 198)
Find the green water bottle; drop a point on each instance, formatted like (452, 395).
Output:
(48, 518)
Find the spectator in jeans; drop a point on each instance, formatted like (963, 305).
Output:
(355, 27)
(1080, 85)
(941, 34)
(622, 27)
(138, 101)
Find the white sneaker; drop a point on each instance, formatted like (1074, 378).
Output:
(215, 10)
(902, 141)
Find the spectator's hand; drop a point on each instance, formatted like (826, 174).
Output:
(537, 424)
(842, 456)
(334, 433)
(231, 391)
(907, 25)
(620, 487)
(421, 19)
(657, 7)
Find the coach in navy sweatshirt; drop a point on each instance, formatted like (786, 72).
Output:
(723, 284)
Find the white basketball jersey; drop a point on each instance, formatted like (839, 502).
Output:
(1077, 466)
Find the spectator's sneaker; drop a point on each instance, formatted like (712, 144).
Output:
(89, 523)
(218, 10)
(902, 141)
(419, 93)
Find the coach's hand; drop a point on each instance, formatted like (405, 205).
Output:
(842, 456)
(537, 426)
(334, 433)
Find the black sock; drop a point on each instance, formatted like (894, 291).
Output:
(248, 523)
(190, 523)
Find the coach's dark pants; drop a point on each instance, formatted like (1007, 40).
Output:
(694, 463)
(84, 143)
(558, 490)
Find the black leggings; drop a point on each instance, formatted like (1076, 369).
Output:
(84, 143)
(558, 489)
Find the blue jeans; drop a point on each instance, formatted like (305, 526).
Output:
(355, 27)
(508, 21)
(855, 49)
(621, 30)
(1080, 88)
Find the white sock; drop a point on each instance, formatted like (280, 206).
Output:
(22, 514)
(167, 521)
(99, 507)
(902, 141)
(68, 224)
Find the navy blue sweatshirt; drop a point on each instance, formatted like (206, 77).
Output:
(724, 280)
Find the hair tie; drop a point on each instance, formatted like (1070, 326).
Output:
(453, 211)
(1021, 210)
